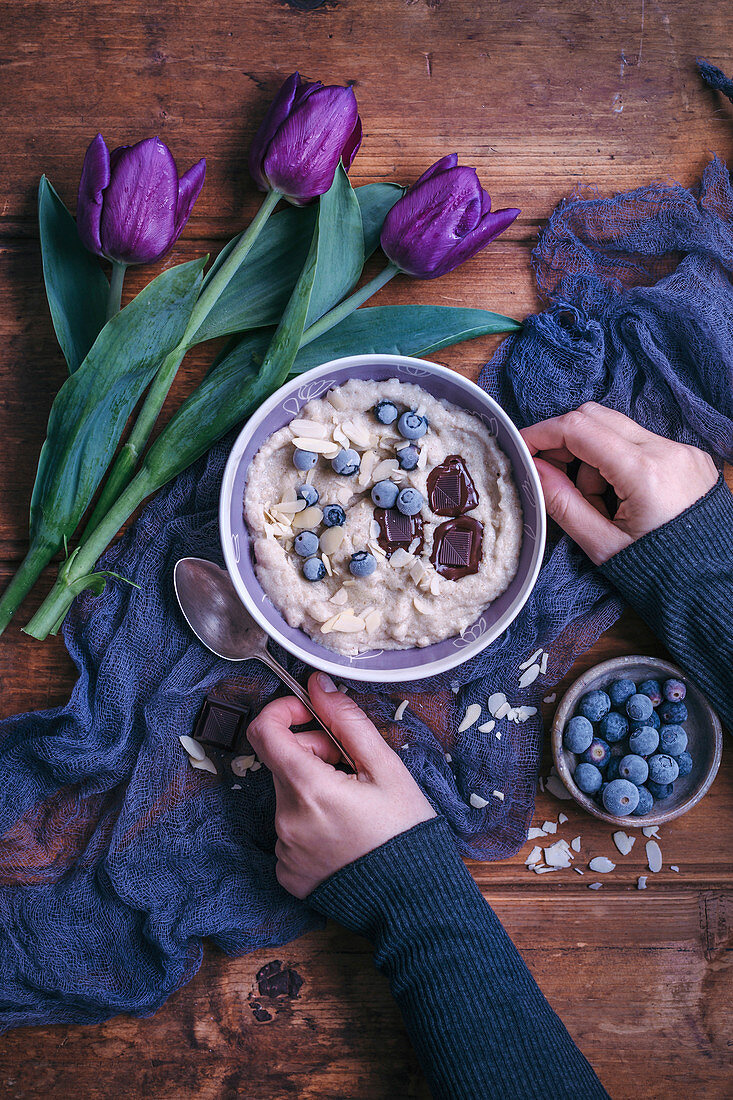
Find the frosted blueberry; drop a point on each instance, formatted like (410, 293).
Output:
(409, 501)
(644, 740)
(411, 425)
(645, 803)
(346, 462)
(314, 569)
(334, 515)
(408, 457)
(386, 412)
(672, 740)
(674, 691)
(597, 753)
(613, 726)
(634, 768)
(362, 563)
(673, 713)
(653, 689)
(659, 791)
(588, 778)
(684, 763)
(308, 493)
(578, 734)
(306, 544)
(639, 707)
(594, 705)
(384, 494)
(304, 460)
(620, 690)
(663, 768)
(621, 797)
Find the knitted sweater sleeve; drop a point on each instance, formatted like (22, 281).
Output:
(679, 578)
(476, 1017)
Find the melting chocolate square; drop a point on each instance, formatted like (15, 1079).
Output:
(396, 530)
(457, 547)
(451, 491)
(221, 725)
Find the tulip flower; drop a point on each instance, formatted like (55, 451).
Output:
(442, 220)
(305, 133)
(132, 205)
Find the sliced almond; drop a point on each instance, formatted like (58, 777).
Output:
(422, 606)
(319, 446)
(348, 623)
(344, 495)
(310, 429)
(327, 562)
(435, 585)
(336, 398)
(529, 676)
(371, 621)
(290, 493)
(242, 764)
(653, 856)
(331, 539)
(339, 437)
(413, 546)
(377, 550)
(309, 517)
(487, 727)
(310, 475)
(398, 714)
(194, 748)
(417, 571)
(328, 626)
(601, 865)
(356, 433)
(320, 614)
(422, 459)
(400, 558)
(478, 802)
(385, 469)
(204, 765)
(623, 842)
(374, 529)
(290, 507)
(368, 461)
(340, 597)
(472, 715)
(530, 660)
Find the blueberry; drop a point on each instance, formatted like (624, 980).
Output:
(673, 714)
(663, 768)
(346, 462)
(672, 740)
(307, 493)
(304, 460)
(409, 501)
(634, 768)
(684, 763)
(659, 791)
(620, 748)
(408, 457)
(613, 726)
(674, 691)
(411, 425)
(594, 705)
(645, 803)
(653, 690)
(384, 494)
(621, 797)
(644, 740)
(362, 563)
(334, 515)
(639, 707)
(620, 690)
(578, 734)
(612, 767)
(597, 753)
(653, 721)
(314, 569)
(386, 412)
(588, 778)
(306, 544)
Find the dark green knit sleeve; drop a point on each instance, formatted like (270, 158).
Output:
(476, 1017)
(679, 578)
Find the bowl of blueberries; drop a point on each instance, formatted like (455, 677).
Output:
(635, 742)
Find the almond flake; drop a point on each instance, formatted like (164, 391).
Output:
(653, 856)
(319, 614)
(289, 493)
(530, 660)
(422, 605)
(241, 764)
(340, 597)
(523, 713)
(487, 727)
(674, 867)
(385, 469)
(372, 621)
(331, 539)
(594, 885)
(290, 507)
(623, 842)
(310, 475)
(545, 870)
(336, 398)
(356, 433)
(578, 871)
(543, 664)
(550, 698)
(641, 882)
(344, 495)
(556, 787)
(368, 461)
(435, 586)
(478, 802)
(549, 826)
(343, 689)
(417, 570)
(499, 795)
(256, 766)
(309, 517)
(561, 819)
(329, 624)
(204, 765)
(535, 833)
(401, 444)
(400, 558)
(194, 749)
(236, 786)
(327, 562)
(503, 711)
(339, 437)
(374, 529)
(348, 623)
(319, 446)
(556, 856)
(349, 582)
(472, 715)
(413, 546)
(400, 710)
(533, 856)
(422, 459)
(495, 701)
(651, 830)
(377, 550)
(529, 676)
(601, 865)
(311, 429)
(575, 844)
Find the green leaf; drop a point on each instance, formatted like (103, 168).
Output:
(227, 395)
(76, 286)
(259, 292)
(340, 250)
(402, 330)
(92, 407)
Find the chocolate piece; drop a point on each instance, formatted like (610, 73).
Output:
(221, 725)
(457, 547)
(398, 531)
(451, 492)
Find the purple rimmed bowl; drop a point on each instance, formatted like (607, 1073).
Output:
(394, 665)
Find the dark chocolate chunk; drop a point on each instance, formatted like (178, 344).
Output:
(222, 725)
(451, 492)
(276, 980)
(398, 531)
(457, 547)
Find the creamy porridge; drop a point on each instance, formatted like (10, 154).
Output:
(398, 526)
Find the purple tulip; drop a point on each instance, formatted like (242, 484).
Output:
(305, 133)
(132, 206)
(442, 220)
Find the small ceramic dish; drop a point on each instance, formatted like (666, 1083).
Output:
(704, 733)
(394, 665)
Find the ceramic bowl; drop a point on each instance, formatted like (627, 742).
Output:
(704, 734)
(380, 666)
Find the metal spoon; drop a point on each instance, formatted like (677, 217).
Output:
(219, 620)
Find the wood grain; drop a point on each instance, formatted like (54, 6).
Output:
(540, 98)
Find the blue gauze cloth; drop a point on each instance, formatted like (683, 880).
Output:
(117, 859)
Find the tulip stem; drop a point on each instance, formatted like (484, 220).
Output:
(114, 299)
(348, 305)
(128, 458)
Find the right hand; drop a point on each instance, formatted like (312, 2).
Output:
(327, 818)
(654, 479)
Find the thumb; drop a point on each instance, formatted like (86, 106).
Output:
(349, 724)
(594, 533)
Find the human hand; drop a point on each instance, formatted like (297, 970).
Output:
(653, 478)
(326, 818)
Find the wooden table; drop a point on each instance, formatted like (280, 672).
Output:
(540, 97)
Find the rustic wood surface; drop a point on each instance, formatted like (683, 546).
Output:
(540, 97)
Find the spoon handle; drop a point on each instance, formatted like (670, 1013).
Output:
(301, 694)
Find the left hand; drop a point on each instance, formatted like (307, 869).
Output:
(326, 818)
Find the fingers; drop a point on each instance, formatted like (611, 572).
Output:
(350, 725)
(290, 757)
(593, 437)
(593, 532)
(321, 745)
